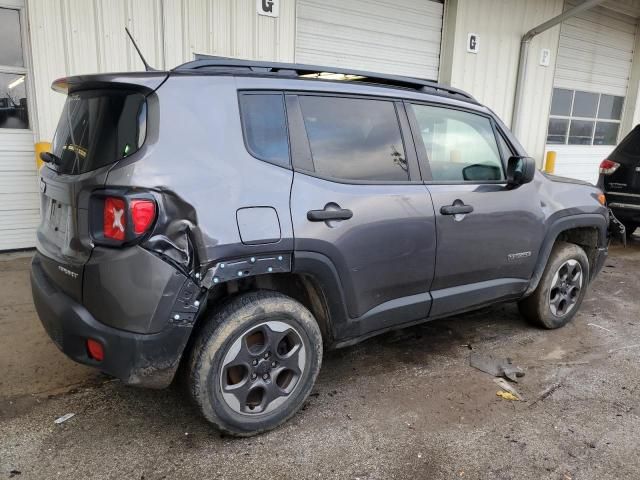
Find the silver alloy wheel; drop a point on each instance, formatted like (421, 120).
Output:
(262, 368)
(565, 288)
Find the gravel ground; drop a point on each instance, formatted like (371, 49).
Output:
(402, 405)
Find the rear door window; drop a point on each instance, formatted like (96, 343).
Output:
(265, 127)
(98, 128)
(461, 146)
(354, 139)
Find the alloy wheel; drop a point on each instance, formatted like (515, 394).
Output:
(262, 368)
(565, 288)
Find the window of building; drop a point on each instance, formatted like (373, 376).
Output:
(460, 146)
(584, 118)
(13, 92)
(265, 127)
(354, 139)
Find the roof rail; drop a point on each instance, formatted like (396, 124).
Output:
(210, 63)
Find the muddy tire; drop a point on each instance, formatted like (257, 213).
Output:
(561, 289)
(255, 362)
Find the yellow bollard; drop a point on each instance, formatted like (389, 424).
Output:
(41, 147)
(550, 163)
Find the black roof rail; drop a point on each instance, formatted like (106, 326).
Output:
(210, 63)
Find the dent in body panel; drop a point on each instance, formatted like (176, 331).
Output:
(198, 161)
(124, 288)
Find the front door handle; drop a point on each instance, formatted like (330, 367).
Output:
(456, 209)
(328, 215)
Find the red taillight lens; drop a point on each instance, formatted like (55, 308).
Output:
(95, 349)
(114, 218)
(143, 213)
(607, 167)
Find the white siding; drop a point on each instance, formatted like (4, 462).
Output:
(490, 75)
(596, 51)
(401, 37)
(72, 37)
(576, 161)
(19, 208)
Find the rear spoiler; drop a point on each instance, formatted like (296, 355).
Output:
(143, 82)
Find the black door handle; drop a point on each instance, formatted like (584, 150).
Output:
(327, 215)
(456, 209)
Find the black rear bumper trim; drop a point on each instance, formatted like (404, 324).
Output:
(136, 359)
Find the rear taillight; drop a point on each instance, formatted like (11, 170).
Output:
(143, 213)
(114, 218)
(607, 167)
(121, 218)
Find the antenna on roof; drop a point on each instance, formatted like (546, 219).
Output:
(146, 65)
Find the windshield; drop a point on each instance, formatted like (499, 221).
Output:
(98, 128)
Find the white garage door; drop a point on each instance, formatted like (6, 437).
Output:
(399, 37)
(19, 209)
(590, 85)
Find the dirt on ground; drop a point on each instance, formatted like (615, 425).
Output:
(401, 405)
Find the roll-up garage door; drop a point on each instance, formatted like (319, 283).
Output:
(591, 80)
(399, 37)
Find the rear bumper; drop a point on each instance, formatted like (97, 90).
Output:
(137, 359)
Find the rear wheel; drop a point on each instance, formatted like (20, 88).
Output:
(255, 362)
(561, 289)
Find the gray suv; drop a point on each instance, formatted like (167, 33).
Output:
(232, 219)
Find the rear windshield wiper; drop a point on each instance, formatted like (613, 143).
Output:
(48, 157)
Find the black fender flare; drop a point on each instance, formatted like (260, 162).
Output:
(562, 224)
(322, 270)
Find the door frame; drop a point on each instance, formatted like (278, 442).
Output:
(27, 70)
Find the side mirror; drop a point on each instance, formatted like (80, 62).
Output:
(520, 170)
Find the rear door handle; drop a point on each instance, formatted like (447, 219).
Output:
(456, 209)
(328, 215)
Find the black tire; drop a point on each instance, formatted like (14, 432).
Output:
(544, 307)
(242, 323)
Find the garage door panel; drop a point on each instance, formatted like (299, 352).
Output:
(17, 239)
(10, 182)
(15, 141)
(18, 162)
(18, 201)
(9, 220)
(595, 54)
(412, 52)
(381, 35)
(382, 14)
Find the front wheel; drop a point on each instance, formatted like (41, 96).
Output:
(255, 362)
(561, 289)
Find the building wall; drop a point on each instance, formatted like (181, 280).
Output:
(490, 75)
(71, 37)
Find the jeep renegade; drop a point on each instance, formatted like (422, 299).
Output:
(236, 218)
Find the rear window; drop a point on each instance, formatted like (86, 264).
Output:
(354, 139)
(98, 128)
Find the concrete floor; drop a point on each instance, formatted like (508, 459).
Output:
(403, 405)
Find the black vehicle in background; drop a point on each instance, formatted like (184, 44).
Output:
(620, 180)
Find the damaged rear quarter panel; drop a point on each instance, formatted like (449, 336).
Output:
(195, 158)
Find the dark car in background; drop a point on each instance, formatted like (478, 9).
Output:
(620, 180)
